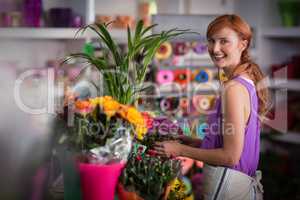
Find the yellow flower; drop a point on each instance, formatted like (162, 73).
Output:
(94, 101)
(177, 185)
(140, 131)
(135, 117)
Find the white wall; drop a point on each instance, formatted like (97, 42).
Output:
(204, 7)
(30, 53)
(114, 7)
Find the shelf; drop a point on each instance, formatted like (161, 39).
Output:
(193, 89)
(289, 84)
(55, 33)
(289, 137)
(281, 32)
(189, 66)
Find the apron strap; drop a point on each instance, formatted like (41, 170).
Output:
(257, 181)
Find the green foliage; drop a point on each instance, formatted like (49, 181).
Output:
(124, 73)
(149, 175)
(88, 131)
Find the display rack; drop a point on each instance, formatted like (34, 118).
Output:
(281, 32)
(289, 137)
(55, 33)
(288, 84)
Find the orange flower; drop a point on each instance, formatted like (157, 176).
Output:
(123, 111)
(83, 106)
(110, 106)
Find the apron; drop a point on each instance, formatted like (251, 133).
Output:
(221, 183)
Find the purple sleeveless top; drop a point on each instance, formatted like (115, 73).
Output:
(250, 155)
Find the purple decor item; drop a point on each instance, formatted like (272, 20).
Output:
(32, 13)
(200, 48)
(6, 20)
(77, 21)
(60, 17)
(1, 19)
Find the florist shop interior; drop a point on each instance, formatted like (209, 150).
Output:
(91, 90)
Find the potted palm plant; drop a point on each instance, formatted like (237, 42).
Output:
(123, 76)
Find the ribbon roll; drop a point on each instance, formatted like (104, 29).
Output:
(169, 104)
(201, 129)
(199, 47)
(164, 76)
(164, 51)
(182, 76)
(202, 103)
(203, 75)
(165, 104)
(184, 103)
(180, 48)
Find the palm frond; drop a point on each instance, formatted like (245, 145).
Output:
(141, 44)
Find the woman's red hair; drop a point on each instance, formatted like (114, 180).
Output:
(242, 28)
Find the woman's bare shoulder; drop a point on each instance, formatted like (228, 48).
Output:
(234, 86)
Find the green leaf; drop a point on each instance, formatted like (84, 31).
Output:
(142, 45)
(138, 30)
(148, 28)
(129, 41)
(110, 43)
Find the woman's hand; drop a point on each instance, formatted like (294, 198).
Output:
(194, 142)
(168, 148)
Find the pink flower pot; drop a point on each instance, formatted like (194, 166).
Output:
(98, 182)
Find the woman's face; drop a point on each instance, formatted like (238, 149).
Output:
(225, 48)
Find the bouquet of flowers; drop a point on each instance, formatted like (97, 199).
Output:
(103, 128)
(101, 135)
(146, 173)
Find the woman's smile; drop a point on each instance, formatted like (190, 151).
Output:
(225, 48)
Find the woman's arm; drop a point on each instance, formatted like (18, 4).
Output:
(233, 133)
(194, 142)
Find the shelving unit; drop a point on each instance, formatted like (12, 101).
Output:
(289, 137)
(274, 44)
(55, 43)
(195, 88)
(55, 33)
(39, 33)
(288, 84)
(281, 32)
